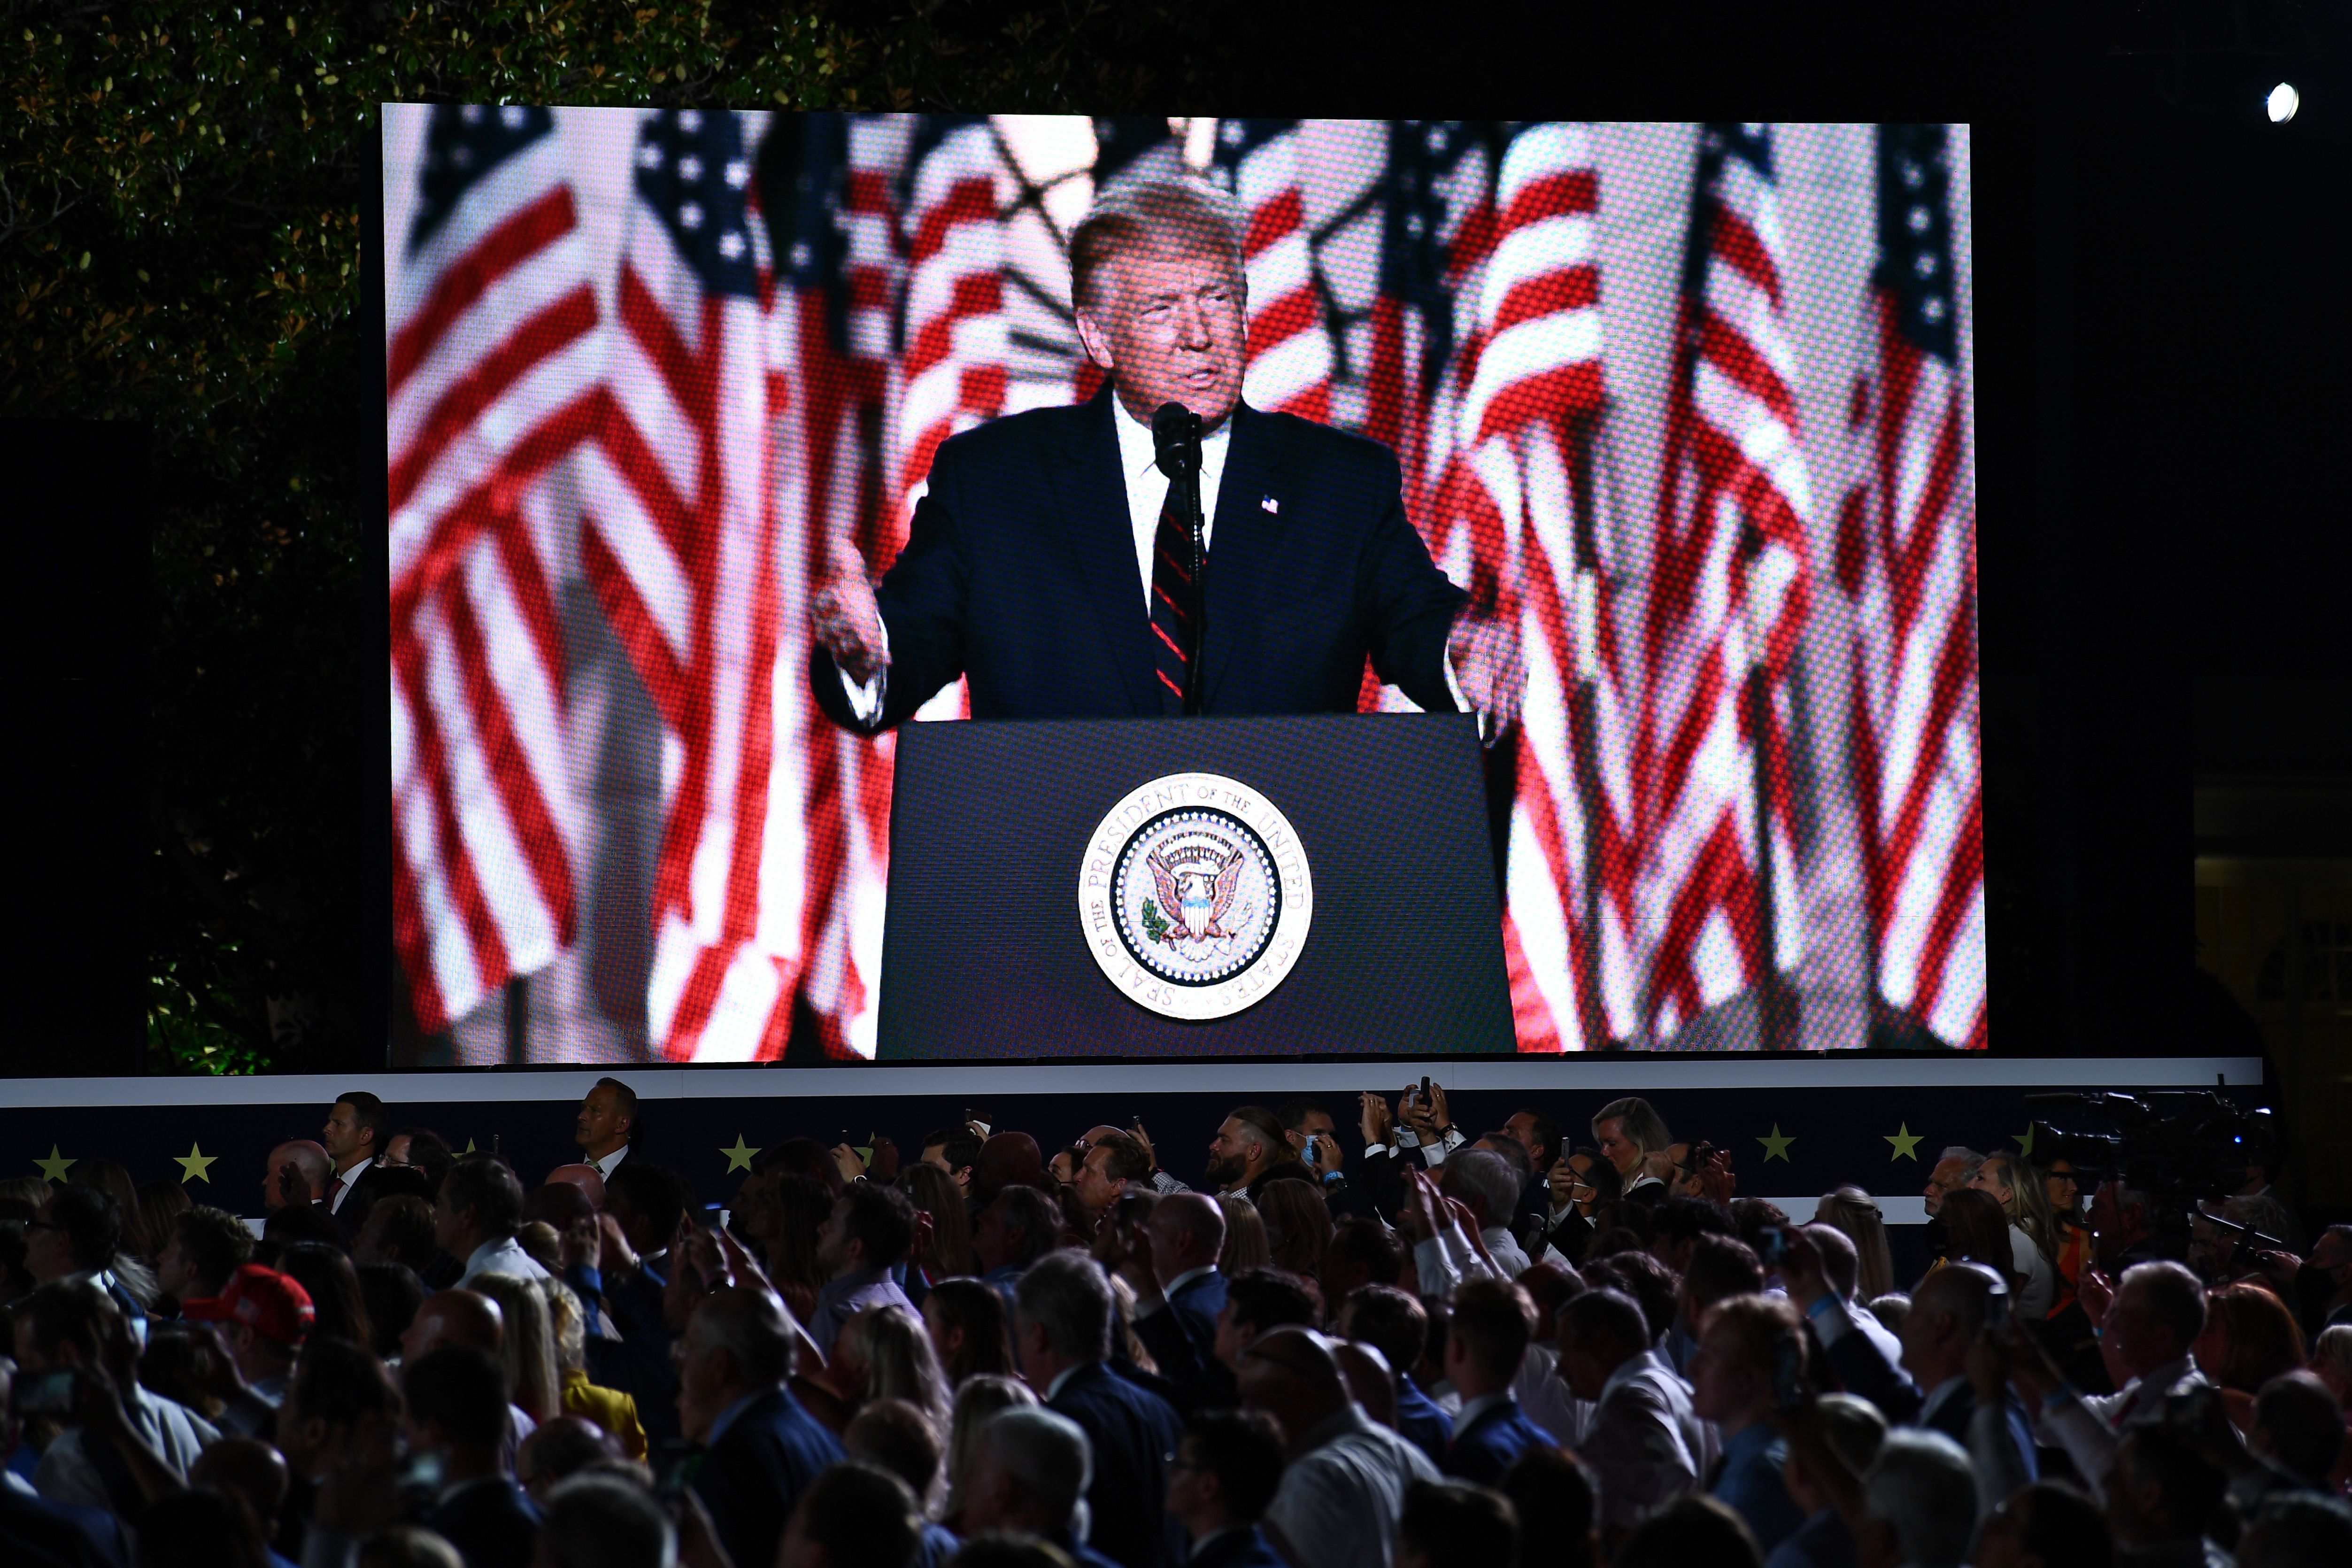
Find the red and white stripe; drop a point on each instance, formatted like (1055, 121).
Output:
(679, 542)
(952, 360)
(491, 343)
(1539, 309)
(1715, 610)
(1289, 366)
(1917, 733)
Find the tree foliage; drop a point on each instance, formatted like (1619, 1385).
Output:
(185, 192)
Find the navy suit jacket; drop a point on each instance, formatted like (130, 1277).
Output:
(1133, 1431)
(1952, 1417)
(1492, 1444)
(1421, 1421)
(493, 1524)
(1243, 1548)
(1019, 574)
(1182, 1340)
(1199, 1302)
(753, 1476)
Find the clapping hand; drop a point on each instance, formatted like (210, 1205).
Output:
(848, 623)
(293, 1189)
(1372, 1118)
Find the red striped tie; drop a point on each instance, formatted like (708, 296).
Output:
(1174, 606)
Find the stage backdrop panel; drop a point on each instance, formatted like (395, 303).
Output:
(1690, 405)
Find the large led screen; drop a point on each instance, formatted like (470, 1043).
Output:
(1685, 410)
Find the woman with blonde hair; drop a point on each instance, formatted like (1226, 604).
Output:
(528, 1345)
(2249, 1338)
(161, 1205)
(900, 1364)
(609, 1408)
(1853, 1212)
(934, 1191)
(981, 1398)
(1246, 1244)
(2024, 1203)
(1297, 1226)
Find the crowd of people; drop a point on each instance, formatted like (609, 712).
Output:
(1390, 1344)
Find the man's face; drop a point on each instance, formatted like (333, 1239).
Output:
(1230, 1152)
(1185, 1482)
(1315, 1124)
(602, 1128)
(1584, 1373)
(1617, 1148)
(422, 1336)
(343, 1135)
(1168, 322)
(1582, 1192)
(2331, 1255)
(1097, 1188)
(369, 1246)
(48, 1251)
(448, 1226)
(2139, 1343)
(396, 1152)
(836, 1250)
(1947, 1176)
(1232, 1337)
(1721, 1389)
(1522, 1128)
(172, 1276)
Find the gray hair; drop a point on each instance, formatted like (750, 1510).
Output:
(983, 1398)
(1190, 213)
(1923, 1485)
(1049, 1456)
(603, 1521)
(1065, 1294)
(1963, 1154)
(1644, 1127)
(1486, 1175)
(755, 1328)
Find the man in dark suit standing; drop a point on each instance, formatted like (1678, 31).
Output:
(1226, 1474)
(456, 1398)
(357, 1129)
(762, 1450)
(1485, 1342)
(1049, 564)
(1064, 1338)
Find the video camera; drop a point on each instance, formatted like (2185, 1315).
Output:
(2177, 1157)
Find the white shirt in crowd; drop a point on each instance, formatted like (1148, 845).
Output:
(502, 1255)
(605, 1164)
(1340, 1504)
(1646, 1445)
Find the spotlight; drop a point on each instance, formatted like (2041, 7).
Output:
(2282, 102)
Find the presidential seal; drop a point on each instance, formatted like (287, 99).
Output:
(1194, 896)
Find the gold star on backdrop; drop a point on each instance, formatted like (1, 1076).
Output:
(1906, 1142)
(470, 1146)
(739, 1158)
(195, 1165)
(2025, 1141)
(54, 1167)
(1776, 1147)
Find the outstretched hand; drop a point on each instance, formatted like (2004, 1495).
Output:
(1490, 666)
(848, 623)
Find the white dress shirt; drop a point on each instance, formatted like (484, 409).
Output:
(605, 1164)
(1339, 1503)
(176, 1434)
(1646, 1444)
(344, 1181)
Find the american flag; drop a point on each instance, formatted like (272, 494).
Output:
(1907, 558)
(491, 365)
(1289, 369)
(842, 265)
(1727, 594)
(679, 542)
(953, 351)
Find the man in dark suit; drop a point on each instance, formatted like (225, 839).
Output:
(1952, 1307)
(1485, 1342)
(1226, 1474)
(762, 1450)
(357, 1129)
(1179, 1289)
(456, 1399)
(1047, 566)
(1394, 1323)
(1029, 1476)
(1064, 1338)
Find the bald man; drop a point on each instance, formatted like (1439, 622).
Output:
(464, 1318)
(585, 1178)
(1342, 1495)
(308, 1182)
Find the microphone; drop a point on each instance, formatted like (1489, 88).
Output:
(1176, 439)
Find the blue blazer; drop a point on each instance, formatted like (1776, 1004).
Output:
(1421, 1421)
(1199, 1302)
(1492, 1444)
(1019, 574)
(1245, 1548)
(753, 1476)
(1132, 1431)
(492, 1525)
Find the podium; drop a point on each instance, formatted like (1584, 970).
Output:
(1311, 886)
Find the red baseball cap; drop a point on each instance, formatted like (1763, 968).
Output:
(271, 1304)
